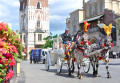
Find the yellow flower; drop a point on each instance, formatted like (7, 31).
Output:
(5, 32)
(6, 47)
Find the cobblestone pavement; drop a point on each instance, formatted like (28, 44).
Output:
(35, 73)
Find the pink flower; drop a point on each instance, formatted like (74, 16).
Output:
(9, 75)
(2, 50)
(8, 56)
(3, 26)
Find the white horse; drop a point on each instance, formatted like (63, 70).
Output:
(102, 54)
(80, 52)
(82, 48)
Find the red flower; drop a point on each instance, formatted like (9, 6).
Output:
(12, 63)
(81, 42)
(111, 44)
(74, 60)
(100, 58)
(89, 43)
(104, 45)
(14, 33)
(86, 56)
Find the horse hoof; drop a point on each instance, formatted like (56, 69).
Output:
(93, 73)
(96, 75)
(69, 74)
(109, 76)
(72, 71)
(80, 77)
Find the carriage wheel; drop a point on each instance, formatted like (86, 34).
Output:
(59, 65)
(46, 64)
(86, 65)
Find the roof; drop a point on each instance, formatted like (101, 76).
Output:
(38, 30)
(76, 11)
(91, 19)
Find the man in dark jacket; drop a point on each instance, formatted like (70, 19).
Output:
(66, 36)
(77, 36)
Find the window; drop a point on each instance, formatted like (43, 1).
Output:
(38, 5)
(38, 24)
(24, 38)
(39, 37)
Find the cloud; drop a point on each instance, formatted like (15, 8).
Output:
(12, 3)
(9, 12)
(59, 11)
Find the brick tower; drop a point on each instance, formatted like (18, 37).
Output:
(33, 23)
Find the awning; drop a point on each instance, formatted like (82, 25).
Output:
(102, 24)
(91, 19)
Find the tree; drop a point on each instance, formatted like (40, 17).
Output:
(49, 40)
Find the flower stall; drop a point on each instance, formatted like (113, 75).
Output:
(10, 52)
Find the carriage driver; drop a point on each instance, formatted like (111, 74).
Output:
(66, 36)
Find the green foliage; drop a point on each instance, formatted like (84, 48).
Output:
(49, 41)
(118, 25)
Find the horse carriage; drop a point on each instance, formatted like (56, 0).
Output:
(82, 52)
(56, 56)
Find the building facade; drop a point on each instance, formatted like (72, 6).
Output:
(99, 12)
(72, 23)
(33, 23)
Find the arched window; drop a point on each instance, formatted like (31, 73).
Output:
(38, 5)
(38, 24)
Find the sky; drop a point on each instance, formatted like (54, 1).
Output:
(59, 11)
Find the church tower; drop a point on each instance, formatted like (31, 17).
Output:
(33, 23)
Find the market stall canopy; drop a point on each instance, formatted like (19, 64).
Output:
(92, 19)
